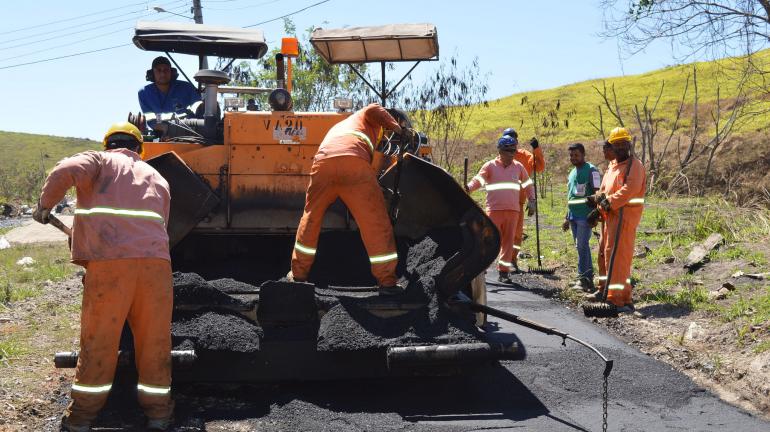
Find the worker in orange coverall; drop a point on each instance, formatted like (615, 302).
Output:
(342, 169)
(119, 236)
(504, 178)
(531, 161)
(623, 187)
(595, 217)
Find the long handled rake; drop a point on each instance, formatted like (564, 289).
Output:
(540, 269)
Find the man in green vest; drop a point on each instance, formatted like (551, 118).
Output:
(583, 181)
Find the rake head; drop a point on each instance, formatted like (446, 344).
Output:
(541, 270)
(600, 310)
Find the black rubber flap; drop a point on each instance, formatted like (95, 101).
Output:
(191, 198)
(430, 198)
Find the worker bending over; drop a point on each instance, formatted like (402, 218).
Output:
(504, 178)
(342, 169)
(532, 162)
(623, 188)
(119, 236)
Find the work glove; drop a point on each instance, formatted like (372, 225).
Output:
(533, 142)
(531, 208)
(605, 204)
(42, 215)
(565, 225)
(594, 200)
(594, 217)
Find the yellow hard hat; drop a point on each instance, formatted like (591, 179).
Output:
(123, 128)
(618, 135)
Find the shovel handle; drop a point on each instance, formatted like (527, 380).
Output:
(53, 220)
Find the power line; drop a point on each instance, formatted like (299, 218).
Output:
(64, 56)
(72, 19)
(123, 45)
(288, 14)
(78, 26)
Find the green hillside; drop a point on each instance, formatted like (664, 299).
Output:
(25, 156)
(579, 102)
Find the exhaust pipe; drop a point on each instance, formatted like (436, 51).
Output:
(69, 359)
(280, 71)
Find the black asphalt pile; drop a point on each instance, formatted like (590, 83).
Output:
(232, 286)
(215, 331)
(190, 289)
(350, 326)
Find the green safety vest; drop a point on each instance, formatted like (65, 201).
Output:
(582, 182)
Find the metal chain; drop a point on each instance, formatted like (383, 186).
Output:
(605, 397)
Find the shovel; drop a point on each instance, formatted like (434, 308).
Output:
(56, 222)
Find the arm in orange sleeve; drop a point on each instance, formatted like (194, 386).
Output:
(379, 116)
(69, 172)
(480, 179)
(539, 159)
(523, 177)
(634, 184)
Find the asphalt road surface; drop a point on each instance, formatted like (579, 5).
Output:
(556, 388)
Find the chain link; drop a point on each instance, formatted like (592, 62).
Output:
(605, 397)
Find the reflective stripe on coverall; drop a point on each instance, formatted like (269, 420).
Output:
(341, 169)
(531, 161)
(631, 197)
(140, 291)
(504, 186)
(352, 180)
(119, 235)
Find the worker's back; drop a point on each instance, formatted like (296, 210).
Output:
(122, 205)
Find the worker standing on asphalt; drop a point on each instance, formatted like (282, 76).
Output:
(119, 236)
(532, 162)
(504, 178)
(584, 180)
(623, 187)
(342, 169)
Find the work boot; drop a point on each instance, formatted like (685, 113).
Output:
(504, 277)
(66, 426)
(628, 308)
(594, 296)
(390, 290)
(290, 277)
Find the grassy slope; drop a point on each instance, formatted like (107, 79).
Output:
(26, 150)
(584, 100)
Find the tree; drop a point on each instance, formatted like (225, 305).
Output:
(723, 27)
(442, 106)
(315, 82)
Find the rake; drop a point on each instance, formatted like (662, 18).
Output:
(540, 269)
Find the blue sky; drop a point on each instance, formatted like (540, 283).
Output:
(525, 45)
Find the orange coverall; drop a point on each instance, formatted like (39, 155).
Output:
(531, 161)
(503, 185)
(119, 236)
(342, 169)
(628, 193)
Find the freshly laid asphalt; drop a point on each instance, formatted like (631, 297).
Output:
(556, 388)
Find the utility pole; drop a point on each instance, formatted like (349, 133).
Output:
(197, 10)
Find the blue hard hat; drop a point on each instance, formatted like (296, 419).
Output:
(506, 141)
(511, 132)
